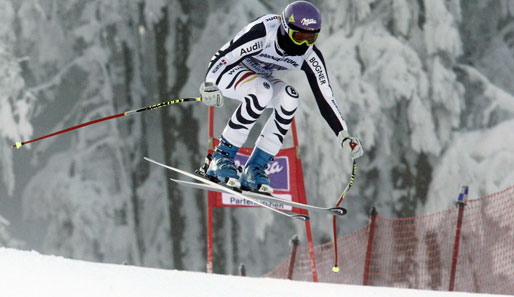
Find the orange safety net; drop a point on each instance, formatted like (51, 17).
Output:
(420, 252)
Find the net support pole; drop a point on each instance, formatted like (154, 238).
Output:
(242, 270)
(371, 234)
(460, 203)
(294, 245)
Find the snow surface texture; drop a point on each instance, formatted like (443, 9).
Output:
(28, 274)
(425, 84)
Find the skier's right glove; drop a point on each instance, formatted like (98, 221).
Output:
(211, 95)
(350, 144)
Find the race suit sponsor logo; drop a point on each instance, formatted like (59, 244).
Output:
(274, 58)
(334, 103)
(292, 92)
(257, 67)
(319, 70)
(279, 59)
(292, 62)
(235, 69)
(217, 67)
(254, 47)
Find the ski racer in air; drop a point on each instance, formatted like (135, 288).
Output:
(243, 70)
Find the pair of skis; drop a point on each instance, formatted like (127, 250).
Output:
(257, 198)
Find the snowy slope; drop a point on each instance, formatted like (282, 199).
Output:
(31, 274)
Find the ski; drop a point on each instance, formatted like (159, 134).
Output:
(340, 211)
(229, 190)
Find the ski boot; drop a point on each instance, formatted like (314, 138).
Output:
(202, 171)
(222, 168)
(254, 177)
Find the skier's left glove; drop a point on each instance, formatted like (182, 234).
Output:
(211, 95)
(350, 144)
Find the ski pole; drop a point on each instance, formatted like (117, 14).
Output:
(130, 112)
(341, 198)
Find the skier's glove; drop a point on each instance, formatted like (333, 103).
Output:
(350, 144)
(211, 95)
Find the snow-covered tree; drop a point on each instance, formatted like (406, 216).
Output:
(89, 64)
(6, 240)
(16, 104)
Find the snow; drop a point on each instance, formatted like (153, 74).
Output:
(441, 32)
(27, 274)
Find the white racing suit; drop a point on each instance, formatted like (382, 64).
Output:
(243, 70)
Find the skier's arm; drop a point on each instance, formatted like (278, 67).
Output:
(316, 71)
(246, 43)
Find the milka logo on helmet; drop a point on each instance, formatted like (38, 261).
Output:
(307, 22)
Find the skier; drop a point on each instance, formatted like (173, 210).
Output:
(243, 70)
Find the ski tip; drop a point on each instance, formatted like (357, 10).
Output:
(301, 217)
(339, 211)
(151, 160)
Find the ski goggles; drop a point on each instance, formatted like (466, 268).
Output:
(301, 37)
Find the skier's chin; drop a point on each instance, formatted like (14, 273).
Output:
(289, 47)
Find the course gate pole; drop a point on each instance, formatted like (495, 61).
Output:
(460, 203)
(371, 234)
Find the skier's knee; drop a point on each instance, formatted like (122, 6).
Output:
(263, 89)
(290, 99)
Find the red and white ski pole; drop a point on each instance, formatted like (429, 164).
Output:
(130, 112)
